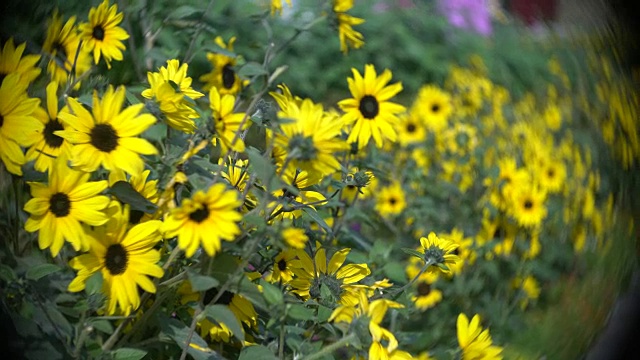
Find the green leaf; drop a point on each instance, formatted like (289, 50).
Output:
(323, 313)
(215, 48)
(317, 218)
(183, 11)
(271, 293)
(256, 352)
(201, 282)
(179, 333)
(94, 283)
(252, 69)
(413, 252)
(128, 195)
(131, 97)
(128, 354)
(222, 314)
(103, 325)
(300, 312)
(263, 167)
(39, 271)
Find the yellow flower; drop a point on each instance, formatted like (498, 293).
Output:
(63, 44)
(102, 35)
(13, 61)
(316, 278)
(295, 238)
(19, 125)
(349, 38)
(57, 209)
(237, 176)
(126, 259)
(227, 123)
(426, 296)
(276, 6)
(109, 136)
(527, 205)
(281, 267)
(148, 189)
(553, 117)
(205, 219)
(551, 174)
(390, 200)
(289, 204)
(223, 76)
(433, 107)
(529, 287)
(311, 139)
(369, 110)
(475, 343)
(439, 253)
(410, 130)
(48, 146)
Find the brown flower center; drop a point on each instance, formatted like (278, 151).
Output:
(50, 138)
(98, 32)
(104, 137)
(228, 76)
(59, 204)
(116, 259)
(200, 215)
(369, 107)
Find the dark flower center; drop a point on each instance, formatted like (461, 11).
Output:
(369, 107)
(228, 76)
(1, 120)
(224, 299)
(98, 32)
(116, 259)
(104, 138)
(135, 216)
(528, 204)
(59, 204)
(435, 108)
(551, 173)
(282, 265)
(423, 288)
(200, 215)
(411, 128)
(50, 138)
(393, 201)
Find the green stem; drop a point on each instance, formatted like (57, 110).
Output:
(331, 348)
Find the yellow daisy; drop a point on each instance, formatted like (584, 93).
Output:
(126, 260)
(57, 209)
(48, 145)
(289, 205)
(349, 38)
(314, 278)
(426, 296)
(433, 107)
(227, 123)
(439, 252)
(276, 6)
(13, 61)
(282, 267)
(369, 110)
(205, 219)
(390, 200)
(410, 130)
(475, 342)
(295, 238)
(144, 187)
(236, 175)
(108, 137)
(527, 205)
(19, 125)
(223, 75)
(551, 175)
(63, 44)
(102, 35)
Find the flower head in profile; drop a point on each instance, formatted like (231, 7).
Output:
(171, 89)
(226, 122)
(63, 44)
(58, 208)
(13, 60)
(349, 38)
(439, 253)
(298, 194)
(102, 35)
(48, 146)
(205, 219)
(475, 342)
(108, 135)
(236, 174)
(19, 125)
(223, 76)
(126, 259)
(357, 183)
(370, 111)
(328, 281)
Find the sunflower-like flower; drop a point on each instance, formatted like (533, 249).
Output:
(276, 6)
(311, 139)
(390, 200)
(410, 130)
(102, 35)
(126, 260)
(439, 253)
(58, 208)
(143, 186)
(349, 38)
(19, 125)
(48, 146)
(206, 218)
(223, 76)
(318, 278)
(369, 110)
(425, 296)
(67, 56)
(13, 61)
(295, 237)
(227, 124)
(281, 267)
(285, 98)
(237, 176)
(171, 88)
(108, 137)
(551, 174)
(475, 342)
(433, 107)
(527, 205)
(289, 204)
